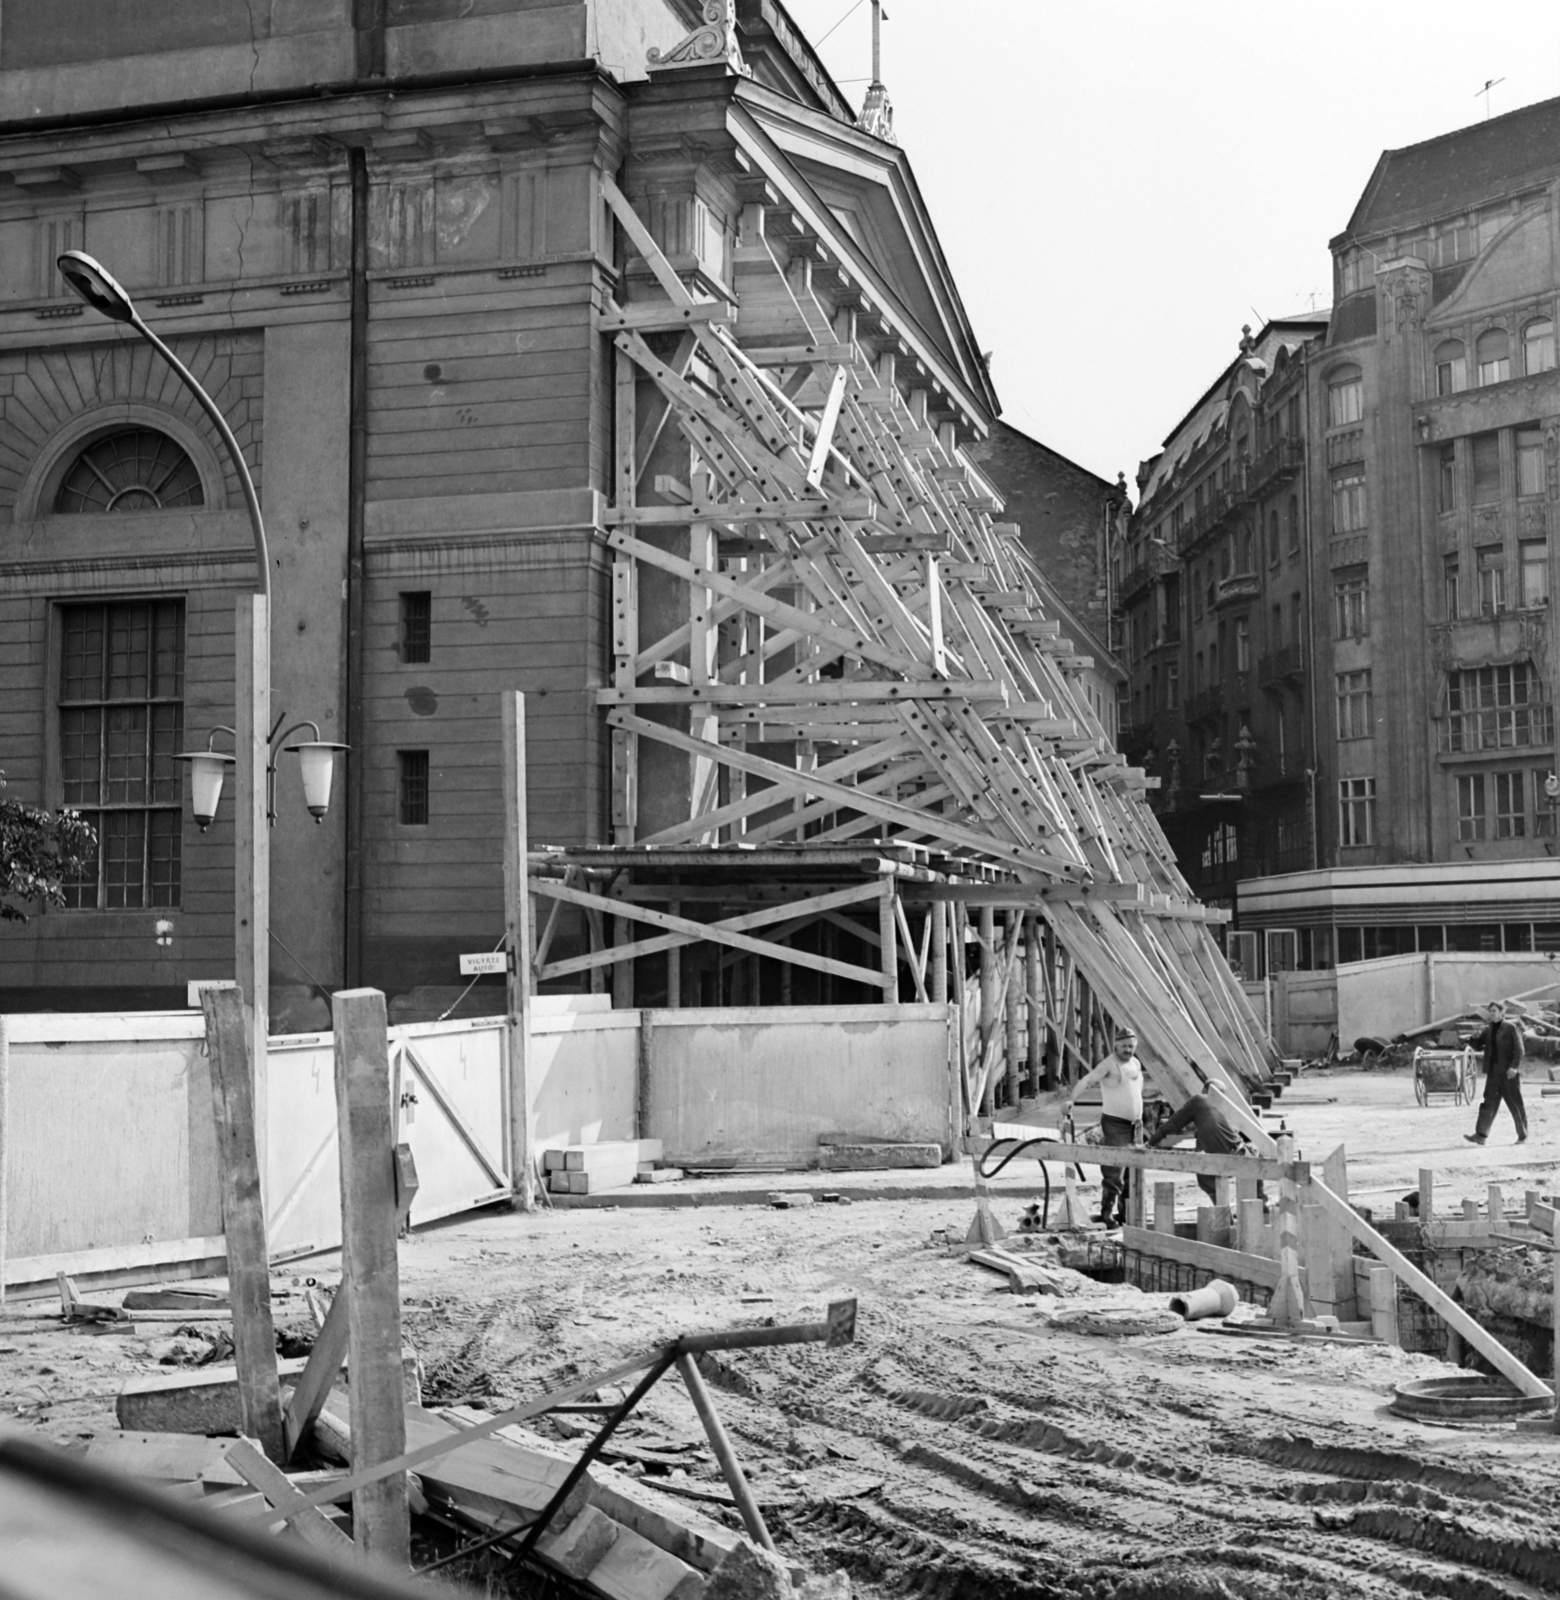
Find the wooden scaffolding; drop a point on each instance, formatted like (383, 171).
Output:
(830, 657)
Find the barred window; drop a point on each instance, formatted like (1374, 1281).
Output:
(412, 775)
(1496, 708)
(133, 469)
(121, 713)
(416, 625)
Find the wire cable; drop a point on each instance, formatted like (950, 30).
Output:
(846, 18)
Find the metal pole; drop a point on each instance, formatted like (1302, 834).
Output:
(731, 1468)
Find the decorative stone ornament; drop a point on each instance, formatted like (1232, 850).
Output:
(712, 45)
(877, 113)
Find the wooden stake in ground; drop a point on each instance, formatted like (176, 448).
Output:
(1288, 1303)
(517, 933)
(370, 1268)
(243, 1219)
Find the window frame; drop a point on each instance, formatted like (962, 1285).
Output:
(1356, 813)
(413, 767)
(1354, 695)
(1544, 340)
(1490, 367)
(1351, 606)
(1533, 572)
(1350, 509)
(1345, 397)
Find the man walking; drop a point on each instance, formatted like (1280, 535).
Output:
(1120, 1077)
(1502, 1075)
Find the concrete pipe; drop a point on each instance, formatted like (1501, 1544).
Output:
(1216, 1299)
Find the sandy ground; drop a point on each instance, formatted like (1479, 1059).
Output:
(968, 1443)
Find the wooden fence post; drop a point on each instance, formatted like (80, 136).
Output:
(370, 1269)
(939, 952)
(517, 935)
(243, 1218)
(888, 941)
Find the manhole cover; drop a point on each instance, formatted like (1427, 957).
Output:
(1465, 1400)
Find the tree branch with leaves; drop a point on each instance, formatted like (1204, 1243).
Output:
(40, 853)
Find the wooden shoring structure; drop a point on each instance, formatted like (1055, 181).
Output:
(822, 637)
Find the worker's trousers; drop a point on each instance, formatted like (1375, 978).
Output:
(1498, 1087)
(1119, 1132)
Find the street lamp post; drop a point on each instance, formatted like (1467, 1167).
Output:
(252, 693)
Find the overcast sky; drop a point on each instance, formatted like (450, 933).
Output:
(1120, 184)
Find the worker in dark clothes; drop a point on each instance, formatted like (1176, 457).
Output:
(1213, 1134)
(1502, 1075)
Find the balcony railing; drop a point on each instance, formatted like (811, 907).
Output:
(1281, 665)
(1134, 582)
(1215, 509)
(1521, 727)
(1206, 703)
(1238, 586)
(1277, 464)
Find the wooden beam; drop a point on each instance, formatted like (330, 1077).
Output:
(656, 317)
(370, 1268)
(852, 509)
(1432, 1294)
(517, 940)
(243, 1216)
(826, 423)
(281, 1493)
(1199, 1161)
(822, 692)
(1260, 1270)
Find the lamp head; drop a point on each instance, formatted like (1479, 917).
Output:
(207, 770)
(316, 766)
(96, 285)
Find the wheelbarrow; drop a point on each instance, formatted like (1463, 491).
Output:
(1448, 1072)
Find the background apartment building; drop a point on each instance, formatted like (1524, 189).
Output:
(1419, 596)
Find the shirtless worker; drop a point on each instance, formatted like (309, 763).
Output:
(1120, 1077)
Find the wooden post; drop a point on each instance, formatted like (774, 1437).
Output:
(1014, 999)
(888, 936)
(1339, 1244)
(5, 1144)
(1164, 1207)
(1426, 1195)
(645, 1060)
(1497, 1204)
(1034, 991)
(674, 965)
(370, 1269)
(940, 952)
(1288, 1304)
(517, 934)
(252, 845)
(1383, 1305)
(1251, 1226)
(243, 1218)
(988, 995)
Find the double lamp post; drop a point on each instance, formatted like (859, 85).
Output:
(254, 746)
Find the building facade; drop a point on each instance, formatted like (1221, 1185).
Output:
(1215, 604)
(380, 237)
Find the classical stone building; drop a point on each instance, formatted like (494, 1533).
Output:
(1216, 609)
(378, 234)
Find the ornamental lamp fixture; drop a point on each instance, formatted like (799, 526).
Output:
(316, 765)
(96, 285)
(208, 767)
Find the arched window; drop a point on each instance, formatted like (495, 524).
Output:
(1345, 397)
(1538, 345)
(134, 469)
(1494, 352)
(1451, 367)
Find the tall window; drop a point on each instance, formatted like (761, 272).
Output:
(1354, 705)
(1494, 354)
(1486, 468)
(1446, 477)
(1534, 557)
(1345, 397)
(1497, 708)
(1492, 580)
(1538, 345)
(1242, 645)
(1351, 606)
(1530, 461)
(1172, 687)
(1451, 367)
(1198, 678)
(1510, 805)
(1356, 811)
(1449, 571)
(412, 784)
(121, 720)
(1172, 603)
(133, 469)
(1544, 804)
(1272, 538)
(1470, 806)
(1294, 524)
(1276, 627)
(1348, 499)
(416, 625)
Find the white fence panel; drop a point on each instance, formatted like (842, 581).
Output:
(584, 1077)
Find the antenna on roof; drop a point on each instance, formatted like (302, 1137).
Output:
(1489, 83)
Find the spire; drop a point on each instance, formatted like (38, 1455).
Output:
(877, 113)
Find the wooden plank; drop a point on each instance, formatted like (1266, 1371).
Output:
(1432, 1294)
(824, 692)
(243, 1211)
(319, 1375)
(518, 939)
(1199, 1161)
(315, 1527)
(853, 509)
(1233, 1264)
(370, 1267)
(658, 318)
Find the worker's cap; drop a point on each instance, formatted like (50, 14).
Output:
(1126, 1034)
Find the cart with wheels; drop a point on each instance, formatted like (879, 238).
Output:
(1448, 1072)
